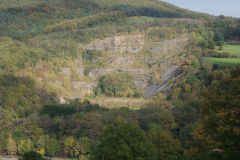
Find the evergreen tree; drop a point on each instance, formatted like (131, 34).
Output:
(219, 39)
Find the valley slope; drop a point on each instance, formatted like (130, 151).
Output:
(48, 40)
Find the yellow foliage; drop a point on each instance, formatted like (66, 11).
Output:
(41, 151)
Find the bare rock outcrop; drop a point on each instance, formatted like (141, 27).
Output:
(119, 44)
(152, 89)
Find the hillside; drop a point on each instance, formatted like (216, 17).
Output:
(47, 40)
(117, 80)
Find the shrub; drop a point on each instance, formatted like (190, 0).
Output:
(117, 85)
(90, 55)
(213, 53)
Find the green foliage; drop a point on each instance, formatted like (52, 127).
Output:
(40, 144)
(22, 95)
(163, 127)
(25, 18)
(32, 156)
(202, 37)
(85, 22)
(52, 146)
(225, 61)
(117, 85)
(18, 3)
(77, 148)
(82, 147)
(3, 140)
(11, 147)
(41, 37)
(124, 141)
(90, 55)
(213, 53)
(227, 27)
(58, 110)
(232, 49)
(167, 147)
(15, 55)
(158, 114)
(228, 56)
(68, 146)
(158, 33)
(219, 39)
(24, 146)
(220, 121)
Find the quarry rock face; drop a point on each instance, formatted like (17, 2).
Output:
(119, 44)
(152, 63)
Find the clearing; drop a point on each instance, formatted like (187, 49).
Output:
(233, 49)
(225, 61)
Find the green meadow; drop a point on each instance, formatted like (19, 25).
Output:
(233, 49)
(225, 61)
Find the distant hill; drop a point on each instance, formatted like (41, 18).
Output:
(67, 45)
(21, 18)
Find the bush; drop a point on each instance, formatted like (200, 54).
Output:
(225, 55)
(117, 85)
(90, 55)
(213, 53)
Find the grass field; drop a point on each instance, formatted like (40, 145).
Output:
(131, 103)
(225, 61)
(233, 49)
